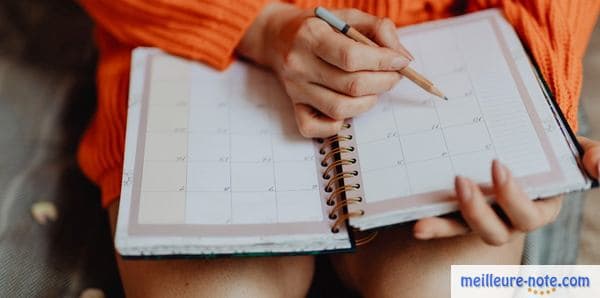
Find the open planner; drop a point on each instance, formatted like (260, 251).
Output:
(215, 165)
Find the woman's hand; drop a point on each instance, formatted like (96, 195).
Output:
(519, 213)
(328, 76)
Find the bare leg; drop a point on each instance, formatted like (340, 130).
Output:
(231, 277)
(397, 265)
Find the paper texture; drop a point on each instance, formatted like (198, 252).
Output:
(214, 159)
(412, 145)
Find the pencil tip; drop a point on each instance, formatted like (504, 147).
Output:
(445, 98)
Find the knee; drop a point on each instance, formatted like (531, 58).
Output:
(397, 265)
(248, 277)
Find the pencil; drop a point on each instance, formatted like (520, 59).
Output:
(347, 30)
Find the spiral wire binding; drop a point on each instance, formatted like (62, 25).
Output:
(331, 154)
(339, 207)
(334, 165)
(338, 191)
(332, 140)
(335, 187)
(342, 218)
(337, 178)
(366, 239)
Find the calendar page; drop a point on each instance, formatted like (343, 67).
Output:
(214, 159)
(412, 145)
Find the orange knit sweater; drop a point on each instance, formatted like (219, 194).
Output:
(556, 32)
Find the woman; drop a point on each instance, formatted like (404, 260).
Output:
(325, 72)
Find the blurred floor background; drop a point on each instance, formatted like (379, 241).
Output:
(589, 246)
(47, 96)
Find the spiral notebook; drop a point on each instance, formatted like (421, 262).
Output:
(214, 163)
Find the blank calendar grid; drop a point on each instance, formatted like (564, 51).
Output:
(234, 162)
(417, 140)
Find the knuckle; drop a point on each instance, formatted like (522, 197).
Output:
(331, 129)
(354, 87)
(335, 127)
(383, 25)
(387, 24)
(306, 25)
(337, 111)
(291, 66)
(313, 27)
(323, 78)
(304, 34)
(348, 58)
(380, 25)
(306, 129)
(289, 87)
(383, 63)
(497, 240)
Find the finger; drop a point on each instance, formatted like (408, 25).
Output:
(334, 105)
(439, 227)
(381, 30)
(479, 214)
(549, 208)
(591, 156)
(354, 83)
(312, 124)
(587, 143)
(350, 55)
(524, 214)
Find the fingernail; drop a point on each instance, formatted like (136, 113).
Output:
(463, 189)
(406, 53)
(500, 172)
(399, 63)
(423, 235)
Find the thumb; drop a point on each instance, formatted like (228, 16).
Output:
(591, 156)
(439, 227)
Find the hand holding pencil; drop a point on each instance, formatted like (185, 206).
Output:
(328, 76)
(346, 29)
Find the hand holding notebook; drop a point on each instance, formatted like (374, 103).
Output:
(214, 163)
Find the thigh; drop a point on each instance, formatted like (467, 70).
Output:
(397, 265)
(227, 277)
